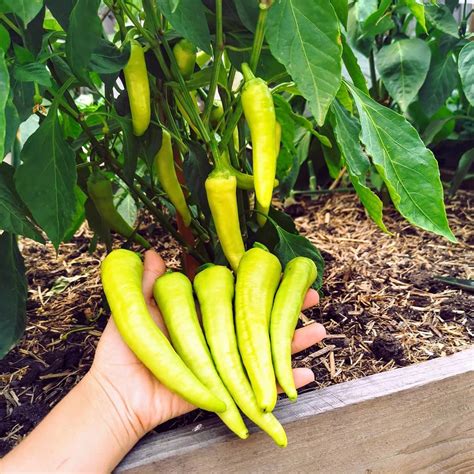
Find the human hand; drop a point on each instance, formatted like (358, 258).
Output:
(133, 388)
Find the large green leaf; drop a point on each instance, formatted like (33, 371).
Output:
(352, 67)
(12, 123)
(13, 293)
(341, 8)
(14, 216)
(466, 70)
(305, 37)
(440, 81)
(248, 13)
(24, 9)
(347, 132)
(61, 10)
(4, 93)
(418, 10)
(32, 72)
(188, 18)
(408, 168)
(80, 44)
(442, 19)
(403, 66)
(47, 177)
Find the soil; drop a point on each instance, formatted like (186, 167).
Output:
(382, 305)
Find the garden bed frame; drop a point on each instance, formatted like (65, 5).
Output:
(416, 418)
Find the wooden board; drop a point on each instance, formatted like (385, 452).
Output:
(414, 419)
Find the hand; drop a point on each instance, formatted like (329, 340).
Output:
(129, 383)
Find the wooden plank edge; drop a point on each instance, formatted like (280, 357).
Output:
(157, 447)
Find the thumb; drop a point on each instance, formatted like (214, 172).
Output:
(154, 267)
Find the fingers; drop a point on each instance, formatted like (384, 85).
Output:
(311, 299)
(307, 336)
(302, 377)
(154, 266)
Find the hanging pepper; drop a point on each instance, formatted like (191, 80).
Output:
(185, 54)
(165, 170)
(257, 104)
(221, 189)
(100, 191)
(138, 88)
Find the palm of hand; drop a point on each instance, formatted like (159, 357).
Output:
(148, 402)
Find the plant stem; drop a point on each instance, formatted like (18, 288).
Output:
(259, 34)
(323, 191)
(218, 51)
(373, 75)
(11, 25)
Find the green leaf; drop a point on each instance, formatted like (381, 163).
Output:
(33, 72)
(14, 216)
(196, 169)
(61, 10)
(4, 93)
(466, 70)
(79, 214)
(126, 206)
(347, 132)
(441, 80)
(290, 246)
(408, 168)
(353, 68)
(4, 38)
(418, 10)
(24, 9)
(13, 293)
(305, 37)
(248, 13)
(47, 177)
(289, 175)
(12, 123)
(341, 8)
(80, 44)
(345, 98)
(131, 147)
(332, 156)
(188, 18)
(403, 66)
(374, 18)
(365, 8)
(108, 59)
(463, 168)
(442, 19)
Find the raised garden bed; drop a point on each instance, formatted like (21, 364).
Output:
(382, 308)
(417, 418)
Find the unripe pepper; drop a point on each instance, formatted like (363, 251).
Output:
(298, 276)
(121, 274)
(173, 293)
(221, 189)
(214, 288)
(185, 54)
(257, 280)
(257, 104)
(138, 88)
(164, 168)
(100, 191)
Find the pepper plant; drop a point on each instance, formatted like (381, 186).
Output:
(94, 132)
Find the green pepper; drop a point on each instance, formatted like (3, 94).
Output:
(138, 88)
(257, 281)
(221, 189)
(100, 191)
(173, 293)
(214, 288)
(185, 54)
(298, 276)
(257, 104)
(121, 274)
(164, 167)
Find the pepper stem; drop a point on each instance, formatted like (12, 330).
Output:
(259, 245)
(247, 72)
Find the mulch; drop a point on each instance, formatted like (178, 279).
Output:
(382, 305)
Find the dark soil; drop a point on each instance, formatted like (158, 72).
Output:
(382, 306)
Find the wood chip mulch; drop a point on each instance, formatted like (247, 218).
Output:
(382, 305)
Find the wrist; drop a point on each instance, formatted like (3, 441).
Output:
(112, 410)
